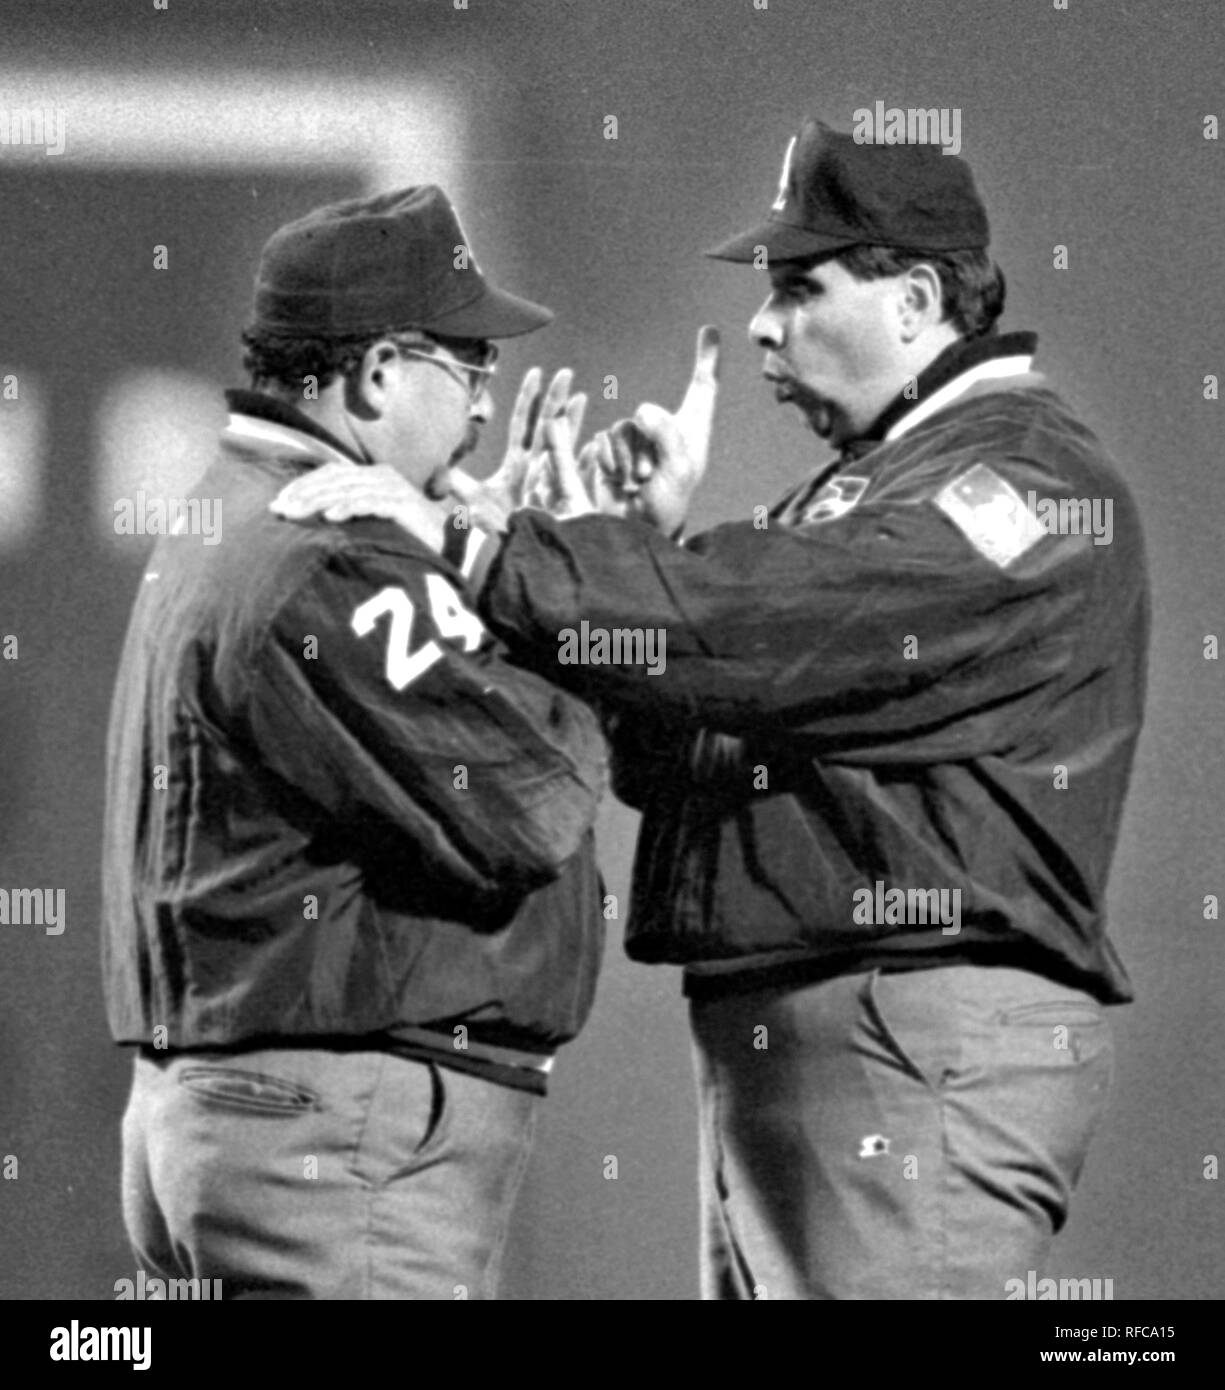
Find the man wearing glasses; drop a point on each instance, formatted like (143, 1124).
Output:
(352, 907)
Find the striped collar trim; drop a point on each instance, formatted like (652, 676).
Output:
(252, 430)
(993, 369)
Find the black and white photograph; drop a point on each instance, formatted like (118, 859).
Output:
(610, 675)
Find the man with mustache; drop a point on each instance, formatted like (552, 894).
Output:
(882, 775)
(352, 907)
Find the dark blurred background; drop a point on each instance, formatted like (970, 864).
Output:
(202, 128)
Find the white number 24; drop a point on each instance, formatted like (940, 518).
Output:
(450, 617)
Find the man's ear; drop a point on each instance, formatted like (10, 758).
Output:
(922, 300)
(366, 387)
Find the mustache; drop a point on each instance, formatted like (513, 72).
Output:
(472, 437)
(438, 485)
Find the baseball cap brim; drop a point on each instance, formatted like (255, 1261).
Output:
(493, 314)
(782, 242)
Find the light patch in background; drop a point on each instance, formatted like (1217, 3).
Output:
(23, 438)
(157, 433)
(393, 133)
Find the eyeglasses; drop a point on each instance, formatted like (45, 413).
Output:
(470, 375)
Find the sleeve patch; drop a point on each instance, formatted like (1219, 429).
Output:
(991, 514)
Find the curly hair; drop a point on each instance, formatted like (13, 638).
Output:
(287, 362)
(972, 286)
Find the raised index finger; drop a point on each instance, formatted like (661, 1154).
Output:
(697, 410)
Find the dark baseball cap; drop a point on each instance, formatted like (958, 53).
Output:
(837, 192)
(395, 261)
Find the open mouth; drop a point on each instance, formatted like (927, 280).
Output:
(819, 412)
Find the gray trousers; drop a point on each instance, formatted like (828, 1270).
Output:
(296, 1173)
(905, 1135)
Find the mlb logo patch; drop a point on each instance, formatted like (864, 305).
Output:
(835, 499)
(991, 514)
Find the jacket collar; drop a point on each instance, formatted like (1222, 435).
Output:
(837, 485)
(959, 367)
(262, 421)
(265, 423)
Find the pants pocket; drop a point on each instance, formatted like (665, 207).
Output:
(1070, 1032)
(410, 1120)
(915, 1022)
(1074, 1011)
(252, 1092)
(439, 1113)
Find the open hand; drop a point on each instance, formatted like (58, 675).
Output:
(524, 478)
(340, 491)
(649, 466)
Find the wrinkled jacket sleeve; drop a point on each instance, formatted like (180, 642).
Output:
(888, 626)
(402, 718)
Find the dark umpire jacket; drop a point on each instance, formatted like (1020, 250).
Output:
(335, 813)
(922, 671)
